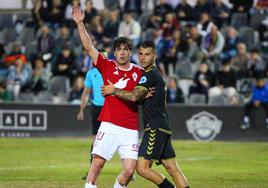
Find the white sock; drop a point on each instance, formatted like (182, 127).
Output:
(89, 185)
(246, 119)
(117, 184)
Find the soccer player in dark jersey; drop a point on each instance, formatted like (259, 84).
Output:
(156, 143)
(119, 118)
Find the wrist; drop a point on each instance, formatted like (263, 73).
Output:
(80, 23)
(114, 91)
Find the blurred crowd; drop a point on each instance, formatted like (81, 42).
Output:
(209, 52)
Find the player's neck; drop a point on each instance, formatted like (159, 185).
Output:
(124, 67)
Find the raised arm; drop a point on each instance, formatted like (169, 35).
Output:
(138, 93)
(78, 17)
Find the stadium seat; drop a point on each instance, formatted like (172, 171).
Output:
(219, 100)
(184, 69)
(256, 19)
(239, 20)
(246, 34)
(143, 19)
(27, 35)
(185, 84)
(197, 99)
(26, 97)
(6, 21)
(59, 84)
(44, 97)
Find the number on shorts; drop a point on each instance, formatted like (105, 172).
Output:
(100, 135)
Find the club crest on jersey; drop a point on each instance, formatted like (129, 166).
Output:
(135, 76)
(143, 80)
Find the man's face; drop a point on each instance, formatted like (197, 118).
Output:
(122, 54)
(147, 57)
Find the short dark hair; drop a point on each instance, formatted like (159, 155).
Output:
(146, 44)
(123, 41)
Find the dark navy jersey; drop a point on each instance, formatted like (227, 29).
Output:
(154, 108)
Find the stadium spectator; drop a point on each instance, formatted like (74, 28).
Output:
(194, 41)
(120, 122)
(45, 43)
(156, 143)
(84, 63)
(169, 25)
(96, 28)
(225, 84)
(77, 90)
(90, 11)
(259, 99)
(5, 95)
(111, 4)
(212, 44)
(130, 28)
(111, 27)
(256, 64)
(262, 3)
(162, 9)
(241, 6)
(40, 77)
(204, 24)
(174, 92)
(183, 11)
(68, 13)
(11, 58)
(203, 80)
(56, 14)
(39, 14)
(18, 77)
(239, 63)
(220, 13)
(202, 6)
(65, 64)
(174, 46)
(63, 39)
(133, 6)
(231, 41)
(92, 89)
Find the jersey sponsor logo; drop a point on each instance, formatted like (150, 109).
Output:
(204, 126)
(121, 83)
(134, 76)
(143, 80)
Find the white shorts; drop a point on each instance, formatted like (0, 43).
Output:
(111, 138)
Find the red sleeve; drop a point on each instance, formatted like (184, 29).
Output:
(101, 63)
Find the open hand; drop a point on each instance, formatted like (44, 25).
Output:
(78, 14)
(150, 92)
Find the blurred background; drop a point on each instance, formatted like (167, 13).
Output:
(210, 52)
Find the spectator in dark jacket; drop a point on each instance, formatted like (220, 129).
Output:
(259, 99)
(225, 84)
(220, 13)
(203, 80)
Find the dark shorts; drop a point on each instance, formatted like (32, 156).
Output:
(156, 145)
(95, 112)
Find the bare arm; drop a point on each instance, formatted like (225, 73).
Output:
(138, 93)
(78, 17)
(84, 100)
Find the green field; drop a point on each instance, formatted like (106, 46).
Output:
(47, 163)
